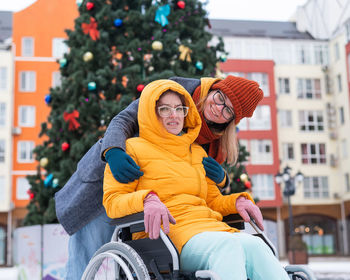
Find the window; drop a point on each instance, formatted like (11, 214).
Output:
(27, 81)
(263, 186)
(281, 53)
(25, 151)
(22, 188)
(27, 46)
(2, 190)
(311, 121)
(283, 86)
(313, 153)
(344, 148)
(336, 52)
(340, 87)
(56, 79)
(2, 150)
(59, 47)
(262, 80)
(341, 115)
(347, 27)
(347, 182)
(309, 88)
(316, 187)
(285, 117)
(2, 114)
(26, 116)
(261, 152)
(288, 151)
(261, 119)
(303, 54)
(3, 78)
(321, 54)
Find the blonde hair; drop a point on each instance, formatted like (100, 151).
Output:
(228, 138)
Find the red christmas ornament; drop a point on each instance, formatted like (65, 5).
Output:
(140, 87)
(31, 195)
(91, 29)
(65, 146)
(90, 6)
(181, 4)
(71, 118)
(248, 184)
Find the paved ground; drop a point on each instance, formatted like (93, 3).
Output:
(330, 268)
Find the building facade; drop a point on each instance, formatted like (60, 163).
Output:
(310, 106)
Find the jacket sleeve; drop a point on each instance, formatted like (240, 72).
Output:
(189, 84)
(224, 204)
(121, 199)
(122, 126)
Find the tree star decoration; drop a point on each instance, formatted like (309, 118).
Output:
(91, 29)
(161, 14)
(71, 118)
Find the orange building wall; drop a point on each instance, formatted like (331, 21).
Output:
(262, 66)
(43, 20)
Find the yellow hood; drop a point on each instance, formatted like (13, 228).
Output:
(150, 127)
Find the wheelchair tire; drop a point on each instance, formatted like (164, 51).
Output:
(127, 263)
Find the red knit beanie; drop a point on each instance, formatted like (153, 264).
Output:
(243, 93)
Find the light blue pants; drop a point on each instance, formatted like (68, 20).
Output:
(84, 243)
(233, 256)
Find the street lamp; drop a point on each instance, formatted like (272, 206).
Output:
(289, 190)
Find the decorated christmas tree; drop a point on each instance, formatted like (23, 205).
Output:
(240, 181)
(115, 49)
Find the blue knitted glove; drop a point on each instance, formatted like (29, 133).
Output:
(213, 170)
(123, 167)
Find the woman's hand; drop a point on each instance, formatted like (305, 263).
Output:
(248, 209)
(156, 213)
(123, 167)
(213, 170)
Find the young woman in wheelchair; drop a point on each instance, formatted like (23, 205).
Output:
(175, 192)
(221, 104)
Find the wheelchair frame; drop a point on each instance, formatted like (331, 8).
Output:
(147, 257)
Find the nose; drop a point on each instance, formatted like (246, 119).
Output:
(173, 114)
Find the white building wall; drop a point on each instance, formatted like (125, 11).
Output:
(6, 97)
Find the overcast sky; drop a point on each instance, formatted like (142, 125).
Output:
(280, 10)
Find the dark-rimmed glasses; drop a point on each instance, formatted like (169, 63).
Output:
(166, 111)
(226, 111)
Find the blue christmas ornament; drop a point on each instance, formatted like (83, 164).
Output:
(91, 86)
(199, 65)
(118, 22)
(48, 99)
(79, 2)
(161, 14)
(63, 62)
(48, 180)
(237, 129)
(223, 58)
(55, 183)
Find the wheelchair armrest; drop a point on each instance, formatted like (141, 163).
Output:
(138, 217)
(234, 220)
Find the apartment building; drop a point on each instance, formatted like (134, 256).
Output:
(38, 43)
(6, 105)
(310, 106)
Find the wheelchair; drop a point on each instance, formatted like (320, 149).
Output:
(146, 259)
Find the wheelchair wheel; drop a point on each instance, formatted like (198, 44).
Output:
(116, 260)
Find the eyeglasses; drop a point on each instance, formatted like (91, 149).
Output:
(166, 111)
(226, 111)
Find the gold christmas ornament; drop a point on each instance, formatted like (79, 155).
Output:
(88, 56)
(157, 45)
(185, 53)
(243, 177)
(44, 161)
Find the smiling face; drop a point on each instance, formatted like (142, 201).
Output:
(173, 123)
(212, 111)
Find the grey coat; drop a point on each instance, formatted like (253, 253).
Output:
(80, 199)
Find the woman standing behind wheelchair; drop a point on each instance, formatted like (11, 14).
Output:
(174, 190)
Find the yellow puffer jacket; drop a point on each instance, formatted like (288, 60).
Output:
(172, 167)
